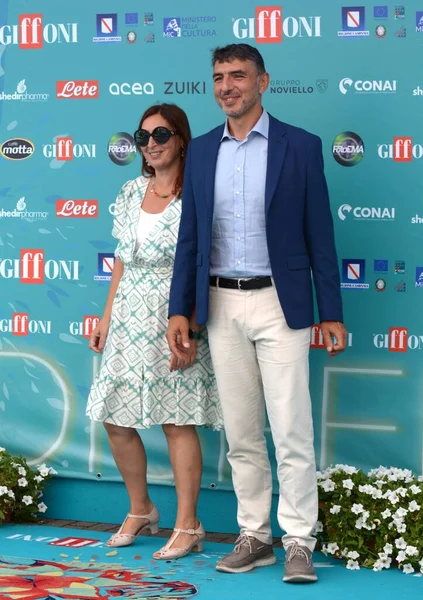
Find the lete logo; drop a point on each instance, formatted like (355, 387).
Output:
(87, 209)
(77, 89)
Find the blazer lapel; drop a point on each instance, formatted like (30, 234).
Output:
(210, 160)
(277, 147)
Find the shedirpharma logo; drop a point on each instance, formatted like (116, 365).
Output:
(189, 27)
(296, 86)
(348, 149)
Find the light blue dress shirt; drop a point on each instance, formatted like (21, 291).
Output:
(239, 246)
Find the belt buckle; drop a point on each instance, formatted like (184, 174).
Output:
(239, 281)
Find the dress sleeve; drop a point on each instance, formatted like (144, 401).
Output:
(120, 214)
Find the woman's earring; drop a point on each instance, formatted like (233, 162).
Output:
(182, 152)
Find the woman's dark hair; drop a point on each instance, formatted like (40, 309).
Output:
(178, 121)
(241, 52)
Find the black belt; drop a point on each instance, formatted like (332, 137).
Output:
(255, 283)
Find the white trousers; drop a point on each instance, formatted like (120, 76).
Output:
(260, 363)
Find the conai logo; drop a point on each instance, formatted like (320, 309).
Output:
(32, 268)
(363, 87)
(366, 213)
(31, 33)
(267, 26)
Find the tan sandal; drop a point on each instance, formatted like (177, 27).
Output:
(126, 539)
(197, 545)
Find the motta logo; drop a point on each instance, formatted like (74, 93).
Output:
(401, 150)
(31, 33)
(21, 325)
(316, 338)
(268, 27)
(32, 268)
(17, 149)
(77, 89)
(78, 209)
(66, 149)
(398, 340)
(84, 327)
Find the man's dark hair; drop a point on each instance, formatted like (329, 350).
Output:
(241, 52)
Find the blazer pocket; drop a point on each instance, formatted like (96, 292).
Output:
(298, 262)
(199, 259)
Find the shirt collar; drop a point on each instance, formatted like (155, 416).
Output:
(261, 127)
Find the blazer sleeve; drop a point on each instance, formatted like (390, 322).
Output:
(183, 288)
(320, 238)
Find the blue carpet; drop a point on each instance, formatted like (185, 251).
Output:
(41, 562)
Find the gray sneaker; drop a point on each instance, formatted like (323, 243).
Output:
(248, 553)
(298, 565)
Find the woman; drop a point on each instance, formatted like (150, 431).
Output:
(135, 388)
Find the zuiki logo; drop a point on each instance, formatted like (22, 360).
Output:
(185, 87)
(32, 268)
(268, 26)
(21, 94)
(84, 327)
(366, 213)
(17, 149)
(21, 212)
(21, 325)
(30, 34)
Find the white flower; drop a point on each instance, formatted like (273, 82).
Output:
(420, 478)
(318, 528)
(392, 477)
(328, 485)
(388, 548)
(3, 490)
(401, 512)
(380, 483)
(27, 500)
(44, 472)
(413, 506)
(408, 568)
(42, 507)
(353, 565)
(401, 527)
(402, 491)
(377, 566)
(2, 449)
(385, 562)
(38, 478)
(421, 562)
(353, 554)
(411, 551)
(393, 497)
(401, 556)
(359, 523)
(400, 543)
(22, 471)
(366, 489)
(347, 469)
(11, 494)
(414, 489)
(386, 513)
(22, 482)
(365, 515)
(377, 493)
(43, 466)
(335, 509)
(348, 484)
(332, 548)
(357, 509)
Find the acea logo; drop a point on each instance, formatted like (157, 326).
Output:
(268, 27)
(368, 87)
(366, 213)
(17, 149)
(121, 149)
(348, 149)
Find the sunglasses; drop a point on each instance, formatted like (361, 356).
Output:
(161, 135)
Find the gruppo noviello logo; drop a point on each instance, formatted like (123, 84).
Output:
(197, 26)
(348, 149)
(107, 29)
(353, 22)
(353, 274)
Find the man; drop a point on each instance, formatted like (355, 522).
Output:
(255, 225)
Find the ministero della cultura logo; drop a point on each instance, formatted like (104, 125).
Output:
(370, 86)
(21, 94)
(348, 149)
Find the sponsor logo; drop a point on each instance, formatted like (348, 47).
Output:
(32, 268)
(131, 18)
(149, 38)
(380, 265)
(20, 212)
(419, 277)
(353, 274)
(418, 91)
(401, 32)
(399, 267)
(148, 18)
(21, 94)
(380, 285)
(17, 149)
(353, 22)
(348, 149)
(380, 12)
(417, 220)
(402, 150)
(121, 149)
(365, 213)
(419, 21)
(84, 327)
(65, 149)
(268, 27)
(107, 28)
(112, 208)
(79, 209)
(185, 87)
(399, 11)
(106, 262)
(398, 340)
(30, 33)
(131, 37)
(380, 31)
(294, 86)
(127, 89)
(400, 287)
(368, 87)
(189, 27)
(316, 338)
(21, 325)
(77, 89)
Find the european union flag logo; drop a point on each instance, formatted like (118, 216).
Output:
(380, 265)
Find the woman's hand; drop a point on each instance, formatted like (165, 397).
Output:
(99, 335)
(189, 359)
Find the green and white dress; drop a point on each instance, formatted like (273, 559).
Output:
(134, 387)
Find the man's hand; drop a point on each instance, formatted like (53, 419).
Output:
(178, 337)
(337, 330)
